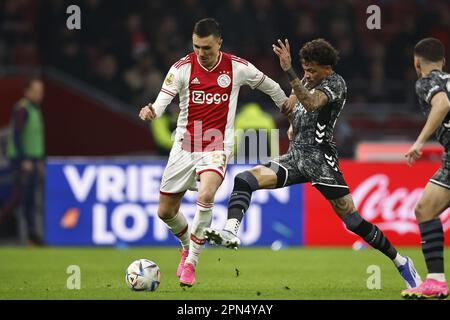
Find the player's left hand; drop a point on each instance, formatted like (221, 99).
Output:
(284, 53)
(414, 153)
(288, 106)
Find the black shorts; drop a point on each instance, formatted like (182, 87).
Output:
(442, 176)
(314, 164)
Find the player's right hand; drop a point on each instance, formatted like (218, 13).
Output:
(147, 113)
(414, 153)
(283, 51)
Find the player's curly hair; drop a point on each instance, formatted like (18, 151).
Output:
(319, 51)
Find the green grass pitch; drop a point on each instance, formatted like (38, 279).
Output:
(222, 274)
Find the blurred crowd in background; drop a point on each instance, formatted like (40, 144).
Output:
(126, 47)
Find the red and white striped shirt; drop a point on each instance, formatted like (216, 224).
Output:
(208, 99)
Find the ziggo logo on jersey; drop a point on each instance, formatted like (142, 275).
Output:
(200, 97)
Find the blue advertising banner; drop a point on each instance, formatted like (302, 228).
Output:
(115, 202)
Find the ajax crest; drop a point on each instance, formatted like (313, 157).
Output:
(224, 80)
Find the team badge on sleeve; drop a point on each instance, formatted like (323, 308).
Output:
(169, 79)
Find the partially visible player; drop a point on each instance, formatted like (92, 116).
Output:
(433, 91)
(207, 82)
(312, 155)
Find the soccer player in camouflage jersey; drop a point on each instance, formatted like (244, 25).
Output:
(433, 91)
(312, 155)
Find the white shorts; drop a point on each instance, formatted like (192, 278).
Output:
(183, 168)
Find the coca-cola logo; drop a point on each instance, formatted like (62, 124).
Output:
(390, 210)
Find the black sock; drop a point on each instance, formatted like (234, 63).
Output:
(433, 245)
(370, 233)
(244, 184)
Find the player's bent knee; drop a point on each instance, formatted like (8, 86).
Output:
(166, 213)
(280, 172)
(168, 210)
(247, 180)
(424, 212)
(418, 210)
(206, 196)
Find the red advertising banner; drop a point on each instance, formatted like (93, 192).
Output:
(384, 194)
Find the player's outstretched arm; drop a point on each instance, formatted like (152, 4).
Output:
(171, 86)
(440, 106)
(310, 101)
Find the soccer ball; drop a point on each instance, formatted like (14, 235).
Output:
(143, 275)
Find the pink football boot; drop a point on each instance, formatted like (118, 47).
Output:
(187, 278)
(184, 254)
(429, 289)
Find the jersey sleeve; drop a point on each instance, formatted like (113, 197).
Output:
(333, 87)
(170, 88)
(427, 87)
(251, 76)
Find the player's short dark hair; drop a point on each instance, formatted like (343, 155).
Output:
(430, 49)
(207, 27)
(319, 51)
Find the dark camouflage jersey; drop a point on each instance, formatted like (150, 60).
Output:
(316, 128)
(436, 81)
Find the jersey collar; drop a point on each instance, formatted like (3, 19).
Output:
(215, 66)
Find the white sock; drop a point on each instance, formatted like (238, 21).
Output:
(194, 252)
(179, 227)
(399, 260)
(202, 220)
(232, 226)
(437, 276)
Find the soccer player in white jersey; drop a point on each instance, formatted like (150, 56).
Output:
(207, 82)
